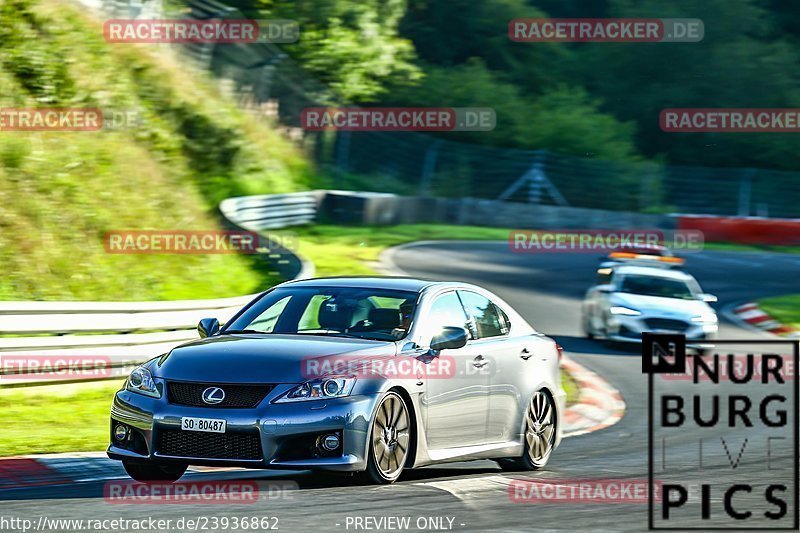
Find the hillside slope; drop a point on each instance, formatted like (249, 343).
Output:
(60, 191)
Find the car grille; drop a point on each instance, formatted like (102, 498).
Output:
(234, 446)
(236, 396)
(667, 324)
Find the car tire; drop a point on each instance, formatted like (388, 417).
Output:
(145, 472)
(587, 327)
(541, 429)
(390, 439)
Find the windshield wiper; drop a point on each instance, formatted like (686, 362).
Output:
(243, 331)
(334, 334)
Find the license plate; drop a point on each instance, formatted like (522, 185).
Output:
(210, 425)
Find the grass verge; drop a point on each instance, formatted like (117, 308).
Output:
(733, 247)
(784, 309)
(354, 250)
(56, 418)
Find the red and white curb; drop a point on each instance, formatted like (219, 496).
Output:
(754, 316)
(599, 404)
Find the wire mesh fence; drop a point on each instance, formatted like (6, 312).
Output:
(414, 163)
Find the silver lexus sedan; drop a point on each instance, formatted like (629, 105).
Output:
(364, 375)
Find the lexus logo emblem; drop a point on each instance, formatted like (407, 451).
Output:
(213, 395)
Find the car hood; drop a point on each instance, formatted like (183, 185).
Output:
(663, 307)
(257, 358)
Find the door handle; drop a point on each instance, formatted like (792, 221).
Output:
(525, 354)
(479, 362)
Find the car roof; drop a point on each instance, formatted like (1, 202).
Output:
(366, 282)
(654, 272)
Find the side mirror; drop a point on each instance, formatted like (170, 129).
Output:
(605, 289)
(708, 298)
(451, 338)
(208, 327)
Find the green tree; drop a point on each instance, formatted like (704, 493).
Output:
(352, 46)
(744, 60)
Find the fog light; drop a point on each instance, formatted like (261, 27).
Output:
(330, 442)
(120, 432)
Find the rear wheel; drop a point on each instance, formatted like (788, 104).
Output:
(587, 327)
(389, 441)
(154, 472)
(541, 424)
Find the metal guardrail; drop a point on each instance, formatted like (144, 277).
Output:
(126, 333)
(256, 213)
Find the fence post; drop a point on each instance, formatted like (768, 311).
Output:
(342, 156)
(745, 192)
(535, 182)
(428, 167)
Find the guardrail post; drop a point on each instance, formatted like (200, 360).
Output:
(745, 192)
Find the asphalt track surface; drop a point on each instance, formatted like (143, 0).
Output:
(547, 290)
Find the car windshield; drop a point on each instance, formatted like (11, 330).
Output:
(367, 313)
(656, 286)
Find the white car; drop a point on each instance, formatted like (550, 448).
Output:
(628, 300)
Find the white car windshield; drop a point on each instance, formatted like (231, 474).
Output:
(656, 286)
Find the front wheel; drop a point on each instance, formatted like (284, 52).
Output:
(145, 472)
(587, 326)
(389, 440)
(541, 424)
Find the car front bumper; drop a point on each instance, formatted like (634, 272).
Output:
(622, 328)
(281, 436)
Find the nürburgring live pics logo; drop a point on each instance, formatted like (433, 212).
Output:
(727, 440)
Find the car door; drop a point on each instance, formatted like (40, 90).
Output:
(455, 405)
(503, 360)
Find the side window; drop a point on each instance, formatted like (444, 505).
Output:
(485, 314)
(446, 311)
(505, 322)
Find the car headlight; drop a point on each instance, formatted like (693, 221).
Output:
(319, 389)
(620, 310)
(141, 381)
(710, 318)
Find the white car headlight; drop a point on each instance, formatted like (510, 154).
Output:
(141, 381)
(319, 389)
(620, 310)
